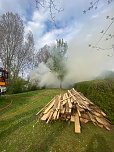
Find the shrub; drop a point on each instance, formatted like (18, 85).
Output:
(101, 92)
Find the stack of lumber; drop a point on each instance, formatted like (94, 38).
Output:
(73, 106)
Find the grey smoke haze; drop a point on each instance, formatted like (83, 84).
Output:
(83, 63)
(43, 77)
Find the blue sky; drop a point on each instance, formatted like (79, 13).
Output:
(76, 28)
(71, 19)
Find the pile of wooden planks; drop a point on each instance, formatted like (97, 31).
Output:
(75, 107)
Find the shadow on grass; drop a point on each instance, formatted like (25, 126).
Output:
(24, 121)
(98, 144)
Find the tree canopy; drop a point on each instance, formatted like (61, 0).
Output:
(56, 63)
(15, 52)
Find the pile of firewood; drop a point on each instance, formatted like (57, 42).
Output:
(75, 107)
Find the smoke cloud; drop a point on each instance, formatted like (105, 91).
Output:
(83, 63)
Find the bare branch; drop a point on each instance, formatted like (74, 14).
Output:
(49, 4)
(94, 5)
(104, 32)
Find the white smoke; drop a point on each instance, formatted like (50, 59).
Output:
(83, 63)
(43, 77)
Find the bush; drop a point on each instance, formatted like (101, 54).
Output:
(17, 86)
(20, 85)
(101, 92)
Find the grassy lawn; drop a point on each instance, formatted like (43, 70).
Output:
(17, 133)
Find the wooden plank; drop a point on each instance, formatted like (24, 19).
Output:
(92, 117)
(98, 124)
(83, 97)
(56, 102)
(102, 113)
(45, 116)
(78, 111)
(77, 93)
(64, 99)
(59, 102)
(74, 98)
(107, 127)
(51, 113)
(55, 114)
(85, 116)
(81, 109)
(49, 107)
(67, 108)
(58, 112)
(72, 118)
(62, 110)
(96, 113)
(44, 107)
(84, 120)
(69, 101)
(77, 123)
(103, 121)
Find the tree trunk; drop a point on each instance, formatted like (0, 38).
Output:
(60, 84)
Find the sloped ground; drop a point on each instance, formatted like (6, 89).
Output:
(18, 134)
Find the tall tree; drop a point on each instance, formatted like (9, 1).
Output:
(30, 51)
(56, 62)
(52, 6)
(11, 37)
(42, 55)
(24, 57)
(14, 52)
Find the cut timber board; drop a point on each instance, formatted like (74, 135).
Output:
(77, 123)
(84, 120)
(49, 107)
(72, 118)
(45, 116)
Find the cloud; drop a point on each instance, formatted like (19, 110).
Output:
(84, 63)
(23, 8)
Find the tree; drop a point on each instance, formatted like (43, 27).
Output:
(56, 62)
(25, 57)
(11, 37)
(50, 5)
(94, 5)
(14, 52)
(30, 51)
(108, 37)
(42, 55)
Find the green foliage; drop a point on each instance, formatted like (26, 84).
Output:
(17, 86)
(32, 87)
(101, 92)
(20, 85)
(56, 62)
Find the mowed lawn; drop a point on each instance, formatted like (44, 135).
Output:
(19, 131)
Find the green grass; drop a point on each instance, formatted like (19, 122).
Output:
(18, 134)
